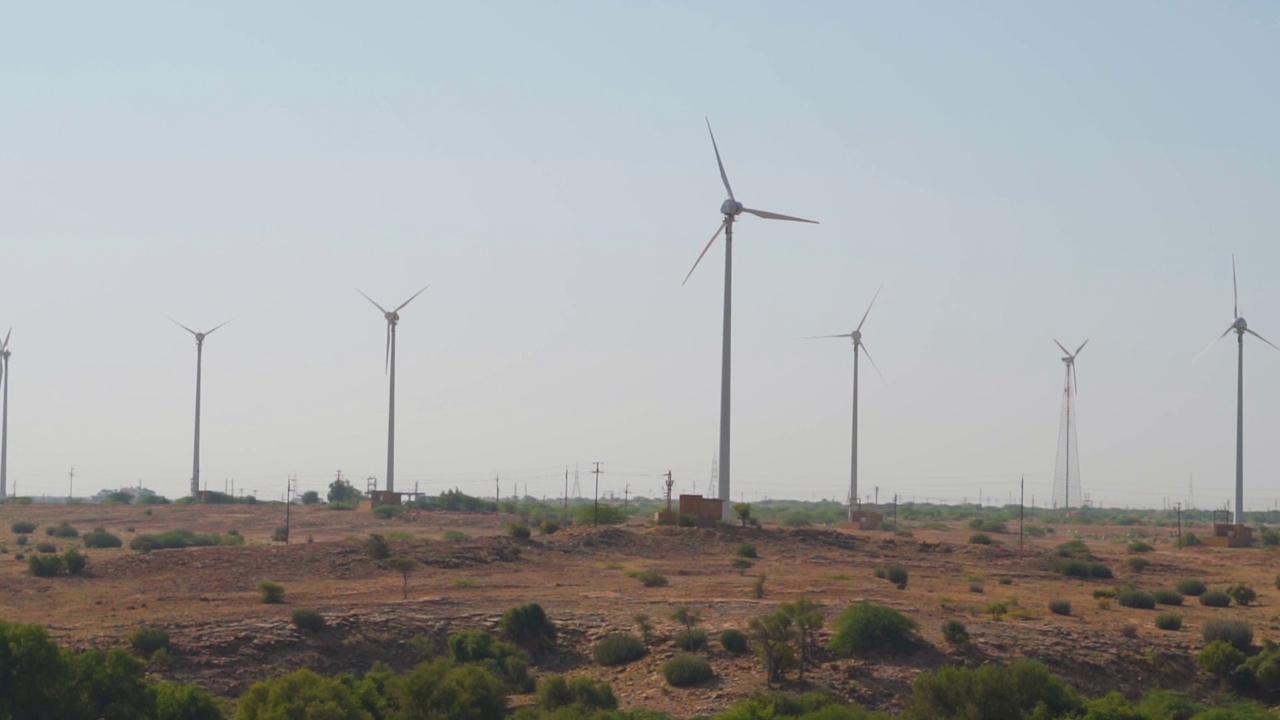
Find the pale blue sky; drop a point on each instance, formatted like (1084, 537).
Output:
(1013, 172)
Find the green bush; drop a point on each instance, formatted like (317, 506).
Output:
(1017, 690)
(147, 640)
(650, 578)
(975, 587)
(502, 659)
(1165, 596)
(100, 538)
(896, 574)
(22, 540)
(1138, 546)
(75, 561)
(1139, 599)
(745, 550)
(1006, 580)
(979, 539)
(529, 627)
(686, 670)
(23, 527)
(44, 565)
(1073, 549)
(1169, 621)
(606, 515)
(376, 547)
(519, 531)
(1242, 594)
(63, 530)
(1083, 569)
(554, 693)
(453, 536)
(46, 547)
(617, 649)
(387, 512)
(1191, 586)
(1189, 540)
(954, 632)
(734, 641)
(1220, 658)
(1215, 598)
(690, 640)
(549, 527)
(270, 592)
(177, 539)
(1236, 632)
(867, 626)
(308, 619)
(1137, 564)
(1060, 607)
(280, 534)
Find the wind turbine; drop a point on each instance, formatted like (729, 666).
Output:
(858, 347)
(195, 454)
(4, 420)
(1068, 450)
(731, 209)
(1240, 327)
(393, 319)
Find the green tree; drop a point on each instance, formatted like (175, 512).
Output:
(341, 491)
(300, 694)
(991, 692)
(111, 686)
(33, 676)
(404, 566)
(686, 616)
(310, 497)
(806, 615)
(185, 702)
(743, 511)
(771, 636)
(440, 690)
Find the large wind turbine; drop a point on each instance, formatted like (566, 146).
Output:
(731, 209)
(393, 319)
(4, 418)
(1240, 327)
(195, 453)
(858, 347)
(1066, 470)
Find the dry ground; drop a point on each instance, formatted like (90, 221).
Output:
(225, 638)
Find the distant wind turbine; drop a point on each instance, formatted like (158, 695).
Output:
(393, 319)
(1240, 327)
(731, 209)
(4, 421)
(195, 454)
(858, 346)
(1068, 460)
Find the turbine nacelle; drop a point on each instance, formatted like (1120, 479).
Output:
(731, 207)
(392, 317)
(1240, 325)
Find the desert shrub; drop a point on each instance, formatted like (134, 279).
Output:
(687, 520)
(305, 694)
(1220, 658)
(1189, 540)
(23, 527)
(686, 670)
(280, 534)
(22, 540)
(1242, 594)
(529, 627)
(1083, 569)
(519, 531)
(742, 564)
(377, 548)
(691, 640)
(62, 530)
(1137, 564)
(617, 649)
(745, 550)
(502, 659)
(1006, 580)
(1000, 691)
(1138, 546)
(1129, 630)
(176, 539)
(554, 692)
(979, 539)
(46, 547)
(650, 578)
(387, 512)
(453, 536)
(1074, 549)
(1139, 599)
(976, 588)
(757, 587)
(100, 538)
(988, 525)
(954, 632)
(896, 574)
(1215, 598)
(307, 619)
(44, 565)
(606, 515)
(1165, 596)
(734, 641)
(147, 640)
(75, 561)
(1169, 621)
(1060, 607)
(549, 527)
(271, 592)
(867, 626)
(1191, 586)
(1236, 632)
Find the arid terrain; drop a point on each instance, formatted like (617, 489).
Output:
(225, 638)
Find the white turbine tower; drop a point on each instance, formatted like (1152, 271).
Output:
(1240, 327)
(195, 454)
(858, 347)
(731, 209)
(4, 418)
(393, 319)
(1066, 471)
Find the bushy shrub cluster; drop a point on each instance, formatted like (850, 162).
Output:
(1236, 632)
(270, 592)
(1169, 621)
(745, 550)
(1139, 599)
(866, 626)
(100, 538)
(554, 693)
(1191, 586)
(177, 539)
(1083, 569)
(23, 527)
(308, 619)
(617, 649)
(147, 640)
(1165, 596)
(1137, 564)
(650, 578)
(686, 670)
(980, 539)
(1138, 546)
(376, 547)
(503, 659)
(62, 530)
(954, 632)
(734, 641)
(72, 562)
(1060, 607)
(895, 574)
(1215, 598)
(529, 628)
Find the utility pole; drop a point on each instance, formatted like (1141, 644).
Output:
(895, 512)
(595, 515)
(1179, 507)
(497, 491)
(71, 484)
(877, 498)
(1022, 498)
(626, 496)
(669, 483)
(565, 521)
(291, 485)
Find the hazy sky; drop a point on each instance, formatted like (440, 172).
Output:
(1012, 172)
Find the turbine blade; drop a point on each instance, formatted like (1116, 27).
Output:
(5, 344)
(1235, 292)
(873, 302)
(386, 363)
(1215, 342)
(776, 216)
(207, 333)
(1075, 380)
(406, 302)
(366, 297)
(823, 337)
(873, 362)
(175, 322)
(1251, 332)
(1077, 352)
(723, 176)
(704, 252)
(1064, 350)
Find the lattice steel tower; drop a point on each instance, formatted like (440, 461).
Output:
(1066, 470)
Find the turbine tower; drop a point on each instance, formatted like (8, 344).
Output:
(195, 454)
(1240, 327)
(858, 347)
(1066, 471)
(393, 319)
(731, 209)
(4, 418)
